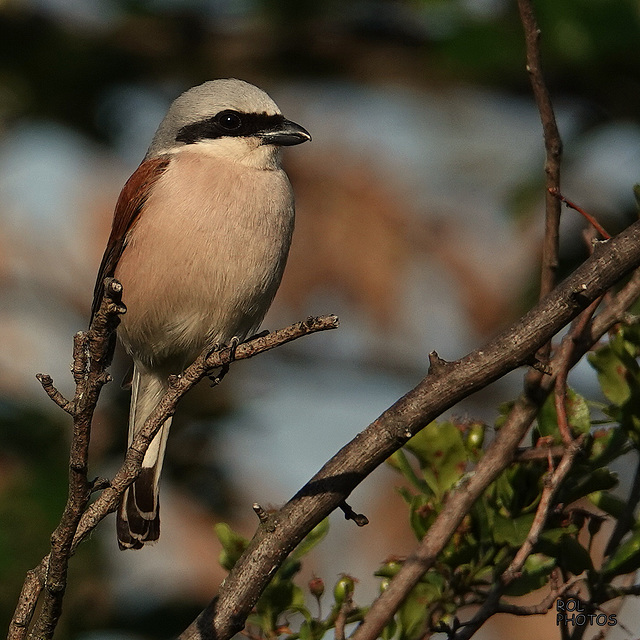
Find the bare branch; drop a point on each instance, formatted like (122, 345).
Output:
(47, 384)
(91, 355)
(552, 144)
(541, 607)
(495, 460)
(442, 388)
(585, 214)
(578, 327)
(544, 452)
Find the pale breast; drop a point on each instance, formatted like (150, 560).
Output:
(205, 258)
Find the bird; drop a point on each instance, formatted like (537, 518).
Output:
(199, 241)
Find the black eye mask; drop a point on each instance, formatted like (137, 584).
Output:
(229, 123)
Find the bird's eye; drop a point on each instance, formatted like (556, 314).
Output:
(229, 120)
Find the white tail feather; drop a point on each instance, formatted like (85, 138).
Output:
(138, 518)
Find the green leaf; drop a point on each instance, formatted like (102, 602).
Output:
(279, 597)
(311, 629)
(600, 479)
(390, 630)
(442, 455)
(624, 560)
(608, 503)
(413, 612)
(516, 490)
(289, 568)
(422, 515)
(619, 373)
(554, 536)
(504, 409)
(578, 415)
(612, 375)
(512, 531)
(535, 574)
(233, 545)
(434, 585)
(400, 463)
(314, 537)
(607, 445)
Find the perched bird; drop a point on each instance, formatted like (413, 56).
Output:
(199, 241)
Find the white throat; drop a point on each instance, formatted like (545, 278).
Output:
(247, 152)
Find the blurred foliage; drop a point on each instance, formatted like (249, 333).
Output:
(434, 462)
(588, 49)
(54, 64)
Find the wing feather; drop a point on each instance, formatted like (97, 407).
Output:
(128, 209)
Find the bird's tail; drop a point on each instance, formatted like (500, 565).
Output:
(138, 519)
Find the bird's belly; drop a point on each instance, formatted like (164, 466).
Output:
(195, 275)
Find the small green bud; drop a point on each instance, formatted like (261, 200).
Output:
(343, 589)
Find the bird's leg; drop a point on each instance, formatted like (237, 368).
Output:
(215, 380)
(224, 369)
(233, 346)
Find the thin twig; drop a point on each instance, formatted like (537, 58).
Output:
(542, 453)
(108, 500)
(553, 155)
(541, 607)
(492, 605)
(573, 338)
(552, 145)
(47, 384)
(549, 490)
(341, 620)
(586, 215)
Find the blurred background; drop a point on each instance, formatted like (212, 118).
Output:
(419, 223)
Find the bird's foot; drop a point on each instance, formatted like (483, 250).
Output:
(216, 379)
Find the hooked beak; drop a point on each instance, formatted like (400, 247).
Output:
(285, 134)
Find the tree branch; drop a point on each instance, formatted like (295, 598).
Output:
(92, 353)
(494, 461)
(552, 145)
(443, 387)
(551, 485)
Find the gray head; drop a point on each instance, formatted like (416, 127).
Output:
(222, 109)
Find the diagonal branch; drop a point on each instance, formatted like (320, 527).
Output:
(179, 386)
(499, 454)
(444, 386)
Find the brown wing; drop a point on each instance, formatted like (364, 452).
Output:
(130, 202)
